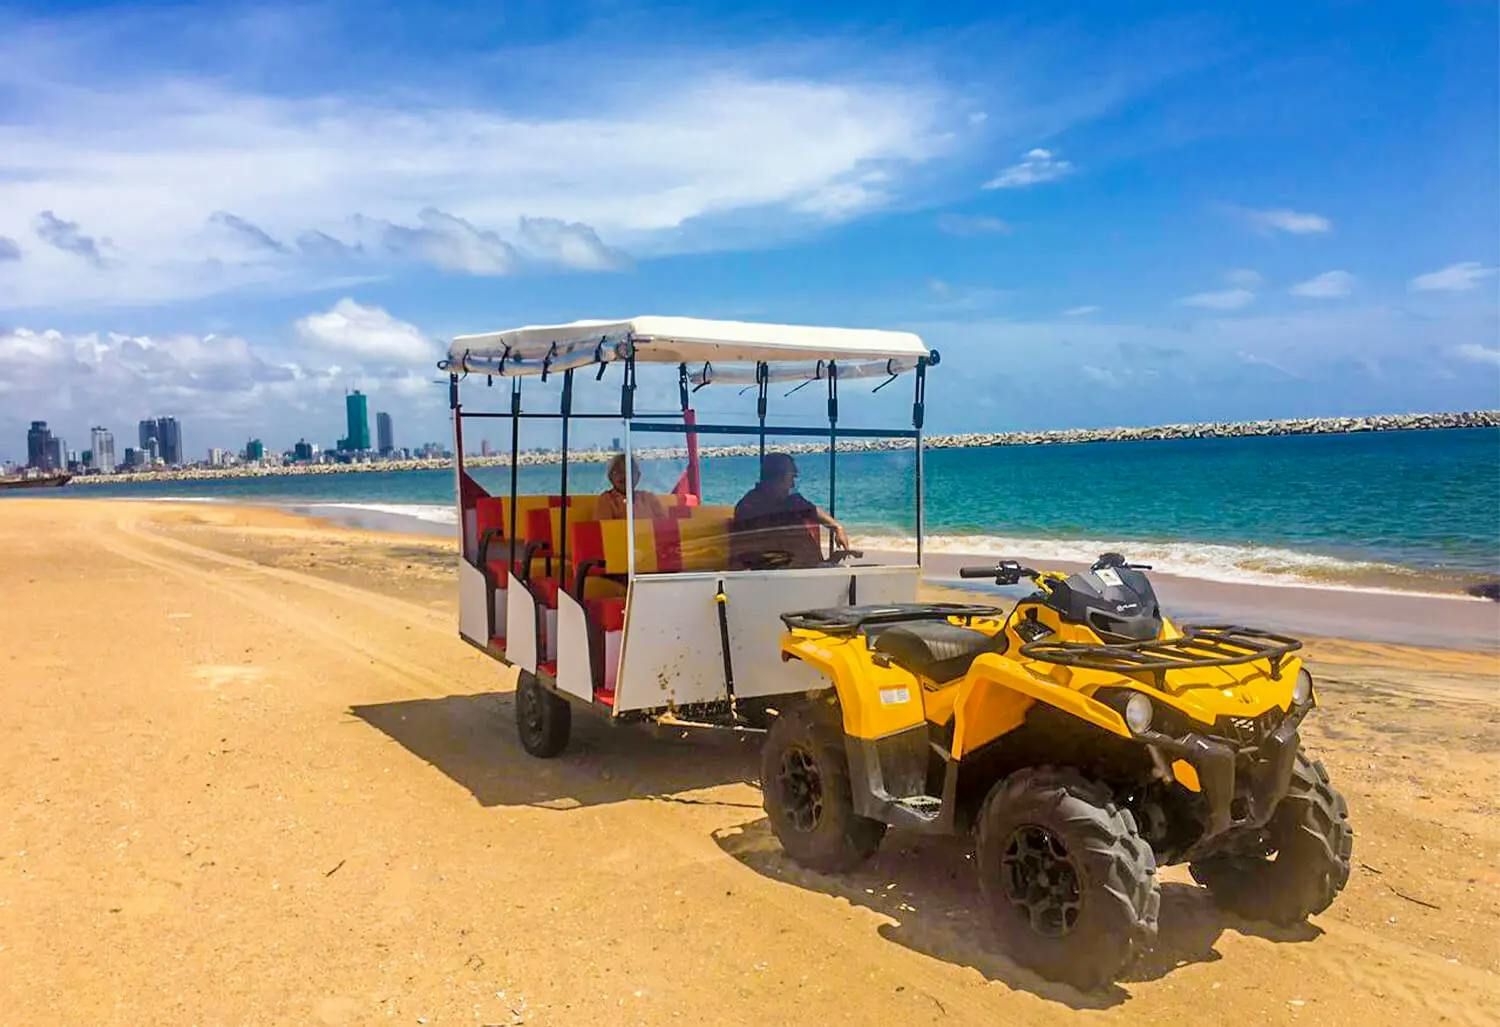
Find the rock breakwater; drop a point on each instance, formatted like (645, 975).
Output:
(1063, 436)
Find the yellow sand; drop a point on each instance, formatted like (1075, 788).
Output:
(250, 774)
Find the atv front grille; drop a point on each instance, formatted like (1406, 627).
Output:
(1248, 732)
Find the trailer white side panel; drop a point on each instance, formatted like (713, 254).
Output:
(473, 595)
(671, 643)
(757, 599)
(673, 653)
(520, 625)
(575, 671)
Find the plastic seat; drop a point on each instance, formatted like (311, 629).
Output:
(934, 649)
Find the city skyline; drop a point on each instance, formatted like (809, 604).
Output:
(159, 440)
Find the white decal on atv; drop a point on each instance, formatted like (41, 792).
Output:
(894, 696)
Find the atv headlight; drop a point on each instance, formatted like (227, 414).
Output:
(1138, 712)
(1302, 690)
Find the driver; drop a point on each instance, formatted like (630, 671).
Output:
(773, 518)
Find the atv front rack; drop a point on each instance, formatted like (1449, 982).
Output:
(1203, 645)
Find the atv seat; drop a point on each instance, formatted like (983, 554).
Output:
(934, 649)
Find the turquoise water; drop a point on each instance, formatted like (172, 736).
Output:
(1417, 510)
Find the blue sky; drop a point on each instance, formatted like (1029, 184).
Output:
(1100, 213)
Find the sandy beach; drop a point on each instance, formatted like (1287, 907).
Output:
(254, 776)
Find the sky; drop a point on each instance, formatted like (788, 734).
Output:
(1099, 213)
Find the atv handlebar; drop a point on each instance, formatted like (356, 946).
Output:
(1005, 572)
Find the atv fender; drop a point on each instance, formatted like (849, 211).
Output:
(875, 700)
(998, 691)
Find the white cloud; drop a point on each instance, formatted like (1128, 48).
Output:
(1459, 277)
(203, 188)
(971, 224)
(447, 241)
(964, 297)
(1101, 376)
(1327, 286)
(1291, 221)
(571, 244)
(1083, 311)
(1245, 278)
(1478, 354)
(222, 388)
(1036, 167)
(1226, 299)
(366, 332)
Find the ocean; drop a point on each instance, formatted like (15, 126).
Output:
(1407, 511)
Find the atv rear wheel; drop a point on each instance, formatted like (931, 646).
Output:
(804, 777)
(543, 720)
(1310, 843)
(1071, 885)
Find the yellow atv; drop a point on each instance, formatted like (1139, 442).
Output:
(1084, 738)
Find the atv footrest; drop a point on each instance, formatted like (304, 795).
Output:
(925, 806)
(1206, 645)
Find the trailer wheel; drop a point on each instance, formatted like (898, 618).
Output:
(1070, 884)
(543, 720)
(1313, 843)
(804, 780)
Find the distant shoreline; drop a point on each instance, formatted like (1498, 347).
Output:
(972, 440)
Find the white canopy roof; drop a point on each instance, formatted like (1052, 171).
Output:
(682, 340)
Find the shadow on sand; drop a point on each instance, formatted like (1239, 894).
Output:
(472, 739)
(926, 886)
(929, 889)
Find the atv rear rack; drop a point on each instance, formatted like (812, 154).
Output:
(1202, 645)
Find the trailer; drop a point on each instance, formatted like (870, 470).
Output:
(665, 610)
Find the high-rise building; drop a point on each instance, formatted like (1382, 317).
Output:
(102, 447)
(357, 413)
(254, 450)
(385, 436)
(303, 450)
(39, 446)
(57, 454)
(169, 440)
(148, 436)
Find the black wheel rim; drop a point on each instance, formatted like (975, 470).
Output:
(529, 711)
(1041, 880)
(801, 789)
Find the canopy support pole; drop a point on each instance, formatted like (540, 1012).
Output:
(627, 412)
(833, 445)
(515, 452)
(562, 530)
(763, 385)
(918, 416)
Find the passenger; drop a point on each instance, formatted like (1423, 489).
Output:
(774, 526)
(612, 503)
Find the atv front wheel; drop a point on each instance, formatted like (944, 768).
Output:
(1310, 843)
(1070, 884)
(804, 778)
(543, 720)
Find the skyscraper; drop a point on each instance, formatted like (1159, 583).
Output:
(39, 446)
(357, 413)
(254, 450)
(148, 435)
(102, 445)
(169, 440)
(384, 435)
(57, 454)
